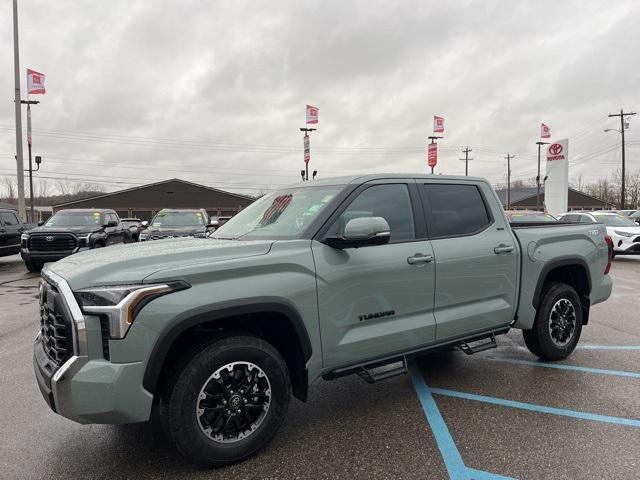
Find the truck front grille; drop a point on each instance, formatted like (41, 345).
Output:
(52, 243)
(54, 327)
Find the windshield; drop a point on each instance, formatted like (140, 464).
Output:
(279, 215)
(532, 217)
(615, 221)
(75, 219)
(178, 219)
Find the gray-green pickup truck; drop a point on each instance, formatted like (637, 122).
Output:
(324, 279)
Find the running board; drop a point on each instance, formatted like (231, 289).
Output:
(476, 347)
(382, 372)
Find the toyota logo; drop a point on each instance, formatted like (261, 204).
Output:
(555, 149)
(49, 238)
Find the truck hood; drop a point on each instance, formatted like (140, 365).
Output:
(132, 262)
(80, 230)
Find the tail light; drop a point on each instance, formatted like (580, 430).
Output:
(610, 253)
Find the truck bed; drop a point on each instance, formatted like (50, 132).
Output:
(579, 250)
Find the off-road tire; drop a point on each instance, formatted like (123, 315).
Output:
(33, 265)
(539, 339)
(180, 400)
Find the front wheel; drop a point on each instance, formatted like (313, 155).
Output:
(558, 323)
(228, 401)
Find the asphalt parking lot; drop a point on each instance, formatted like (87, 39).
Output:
(498, 414)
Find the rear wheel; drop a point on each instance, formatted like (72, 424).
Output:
(33, 265)
(558, 323)
(228, 401)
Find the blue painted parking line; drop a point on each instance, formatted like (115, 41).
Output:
(609, 347)
(538, 408)
(562, 366)
(450, 454)
(482, 475)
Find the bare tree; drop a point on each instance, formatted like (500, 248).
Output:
(9, 189)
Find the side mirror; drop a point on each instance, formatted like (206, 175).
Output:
(213, 224)
(40, 223)
(110, 223)
(144, 224)
(362, 232)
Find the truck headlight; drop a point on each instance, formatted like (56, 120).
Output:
(623, 234)
(84, 240)
(121, 304)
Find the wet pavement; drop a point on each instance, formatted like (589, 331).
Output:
(497, 414)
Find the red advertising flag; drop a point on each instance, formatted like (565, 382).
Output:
(312, 115)
(307, 149)
(35, 82)
(432, 157)
(438, 124)
(545, 131)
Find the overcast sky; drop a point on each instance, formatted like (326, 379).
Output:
(214, 92)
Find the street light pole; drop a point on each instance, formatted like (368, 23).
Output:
(306, 131)
(538, 177)
(28, 103)
(622, 114)
(19, 161)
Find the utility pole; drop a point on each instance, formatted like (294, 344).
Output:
(622, 114)
(538, 177)
(18, 107)
(466, 160)
(509, 157)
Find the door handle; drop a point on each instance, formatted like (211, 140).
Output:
(419, 258)
(502, 248)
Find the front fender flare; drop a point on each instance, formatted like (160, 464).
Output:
(215, 311)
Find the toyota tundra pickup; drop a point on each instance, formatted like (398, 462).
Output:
(333, 277)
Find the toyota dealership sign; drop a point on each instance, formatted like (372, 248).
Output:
(556, 189)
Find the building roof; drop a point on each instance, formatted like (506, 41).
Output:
(156, 188)
(525, 193)
(8, 206)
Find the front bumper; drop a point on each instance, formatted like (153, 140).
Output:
(45, 257)
(85, 387)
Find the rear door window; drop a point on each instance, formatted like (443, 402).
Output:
(454, 209)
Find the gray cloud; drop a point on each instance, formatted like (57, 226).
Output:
(164, 84)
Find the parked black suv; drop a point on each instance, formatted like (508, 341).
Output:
(68, 232)
(10, 230)
(169, 223)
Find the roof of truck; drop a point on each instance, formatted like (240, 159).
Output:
(350, 179)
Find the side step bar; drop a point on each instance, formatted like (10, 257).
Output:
(373, 375)
(476, 347)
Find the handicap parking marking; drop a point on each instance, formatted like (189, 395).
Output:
(537, 408)
(450, 454)
(562, 366)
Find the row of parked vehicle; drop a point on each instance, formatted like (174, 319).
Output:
(623, 226)
(75, 230)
